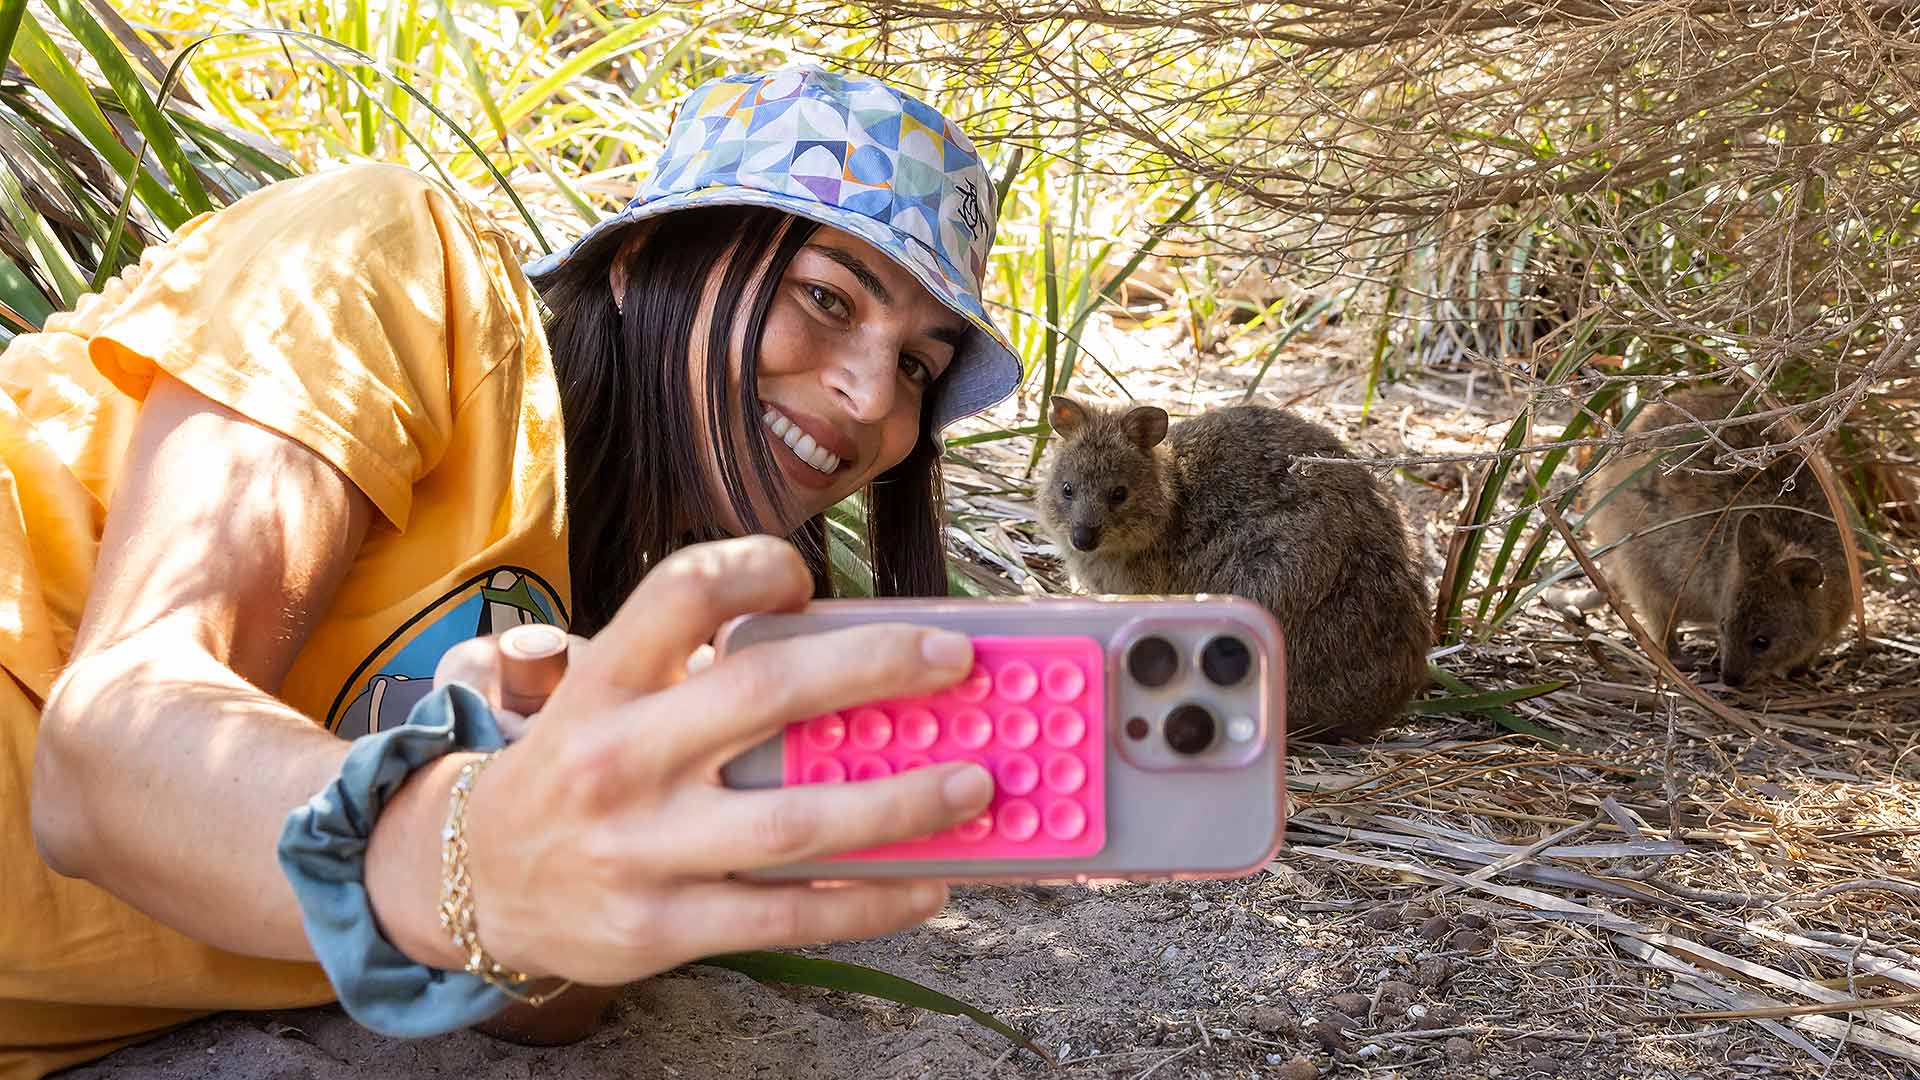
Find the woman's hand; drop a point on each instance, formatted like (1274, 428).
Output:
(602, 842)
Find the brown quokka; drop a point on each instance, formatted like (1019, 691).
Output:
(1753, 553)
(1210, 506)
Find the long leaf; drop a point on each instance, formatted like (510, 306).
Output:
(1499, 714)
(1485, 701)
(621, 40)
(476, 74)
(774, 967)
(1460, 563)
(48, 256)
(56, 77)
(10, 13)
(1313, 312)
(26, 308)
(1158, 233)
(147, 117)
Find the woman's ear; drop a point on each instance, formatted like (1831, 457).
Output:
(617, 272)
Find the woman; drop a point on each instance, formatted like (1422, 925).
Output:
(266, 481)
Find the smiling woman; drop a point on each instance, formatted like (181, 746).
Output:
(830, 342)
(334, 442)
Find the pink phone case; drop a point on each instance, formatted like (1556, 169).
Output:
(1087, 785)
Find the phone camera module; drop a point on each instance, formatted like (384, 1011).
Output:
(1153, 662)
(1191, 729)
(1225, 661)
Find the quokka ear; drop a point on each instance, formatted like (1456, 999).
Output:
(1804, 572)
(1751, 542)
(1066, 416)
(1145, 426)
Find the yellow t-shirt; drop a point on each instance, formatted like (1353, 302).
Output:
(382, 322)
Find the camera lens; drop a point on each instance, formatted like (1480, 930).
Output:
(1190, 729)
(1152, 661)
(1225, 661)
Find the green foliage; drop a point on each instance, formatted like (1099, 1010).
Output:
(773, 967)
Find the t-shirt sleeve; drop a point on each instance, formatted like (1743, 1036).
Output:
(349, 310)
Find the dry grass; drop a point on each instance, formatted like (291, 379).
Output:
(1715, 880)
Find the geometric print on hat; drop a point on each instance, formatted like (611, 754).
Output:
(856, 154)
(846, 142)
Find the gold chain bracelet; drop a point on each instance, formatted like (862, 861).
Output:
(456, 897)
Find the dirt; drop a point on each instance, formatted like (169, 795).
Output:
(1220, 979)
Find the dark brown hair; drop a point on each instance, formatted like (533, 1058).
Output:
(636, 488)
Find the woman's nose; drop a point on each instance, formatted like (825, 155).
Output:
(866, 380)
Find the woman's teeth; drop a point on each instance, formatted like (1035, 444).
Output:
(801, 443)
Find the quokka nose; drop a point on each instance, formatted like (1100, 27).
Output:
(1086, 538)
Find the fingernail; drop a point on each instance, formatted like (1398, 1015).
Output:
(946, 649)
(968, 788)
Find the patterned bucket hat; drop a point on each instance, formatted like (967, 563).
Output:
(860, 156)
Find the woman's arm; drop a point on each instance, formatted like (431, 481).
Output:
(603, 842)
(165, 765)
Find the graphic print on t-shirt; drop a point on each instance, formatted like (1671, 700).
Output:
(388, 683)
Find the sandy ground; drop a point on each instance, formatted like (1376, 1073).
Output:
(1224, 979)
(1362, 975)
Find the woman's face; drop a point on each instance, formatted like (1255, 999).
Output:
(851, 347)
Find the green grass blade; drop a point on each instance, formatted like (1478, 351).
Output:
(1120, 276)
(610, 47)
(1000, 435)
(1495, 479)
(959, 584)
(1050, 341)
(152, 123)
(10, 13)
(774, 967)
(25, 307)
(1314, 311)
(1380, 341)
(1481, 702)
(43, 248)
(1498, 713)
(476, 75)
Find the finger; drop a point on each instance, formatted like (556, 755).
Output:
(750, 830)
(708, 919)
(533, 660)
(751, 694)
(475, 662)
(678, 607)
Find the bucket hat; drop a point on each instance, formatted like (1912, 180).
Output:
(856, 154)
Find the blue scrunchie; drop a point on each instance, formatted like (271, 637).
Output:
(323, 851)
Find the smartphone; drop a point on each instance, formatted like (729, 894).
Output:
(1130, 738)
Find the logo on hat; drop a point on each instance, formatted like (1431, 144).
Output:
(970, 213)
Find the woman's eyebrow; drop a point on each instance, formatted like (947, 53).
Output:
(953, 335)
(860, 270)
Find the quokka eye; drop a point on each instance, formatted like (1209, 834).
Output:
(1118, 495)
(1760, 643)
(1066, 491)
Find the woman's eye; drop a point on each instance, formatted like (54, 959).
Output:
(827, 300)
(1118, 495)
(915, 370)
